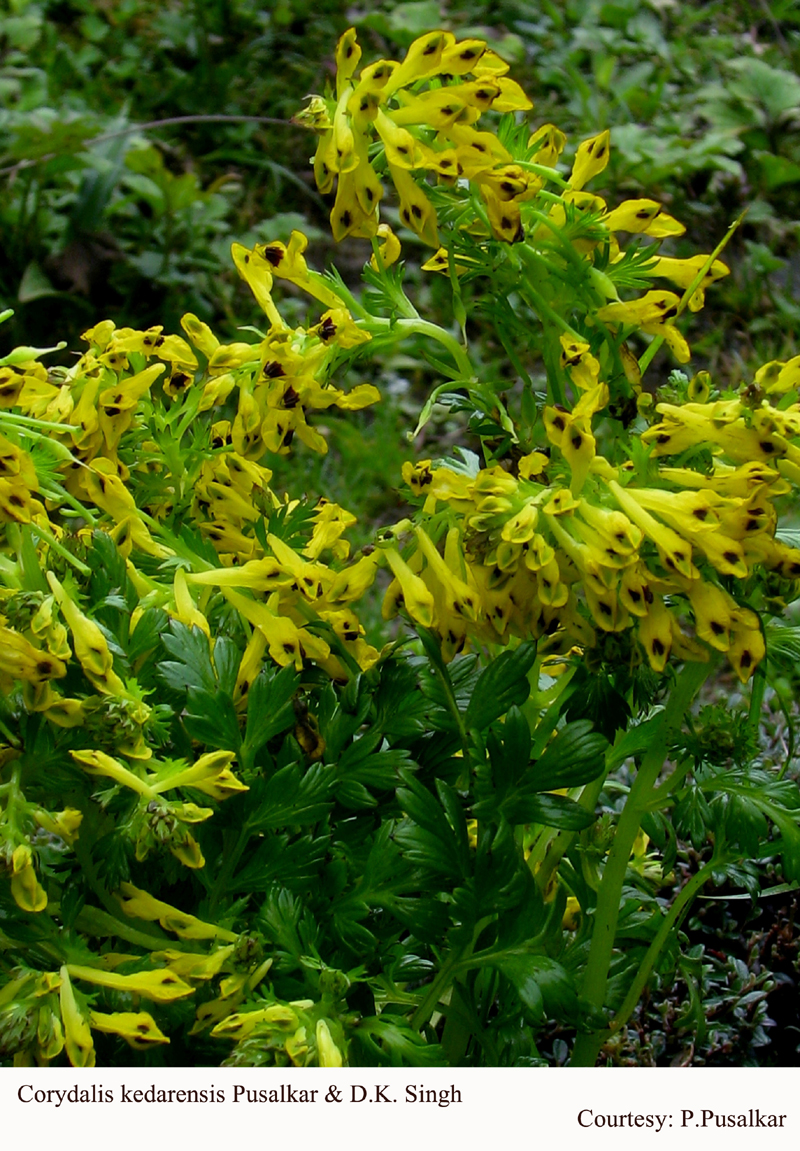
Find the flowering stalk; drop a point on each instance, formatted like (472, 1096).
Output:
(688, 683)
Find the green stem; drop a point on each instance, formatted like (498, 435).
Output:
(649, 353)
(426, 328)
(565, 246)
(673, 781)
(546, 173)
(610, 891)
(554, 850)
(543, 309)
(36, 425)
(457, 1026)
(756, 699)
(99, 923)
(61, 495)
(46, 535)
(670, 922)
(434, 994)
(400, 329)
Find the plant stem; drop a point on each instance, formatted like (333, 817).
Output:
(434, 994)
(400, 329)
(556, 848)
(756, 699)
(610, 890)
(50, 539)
(670, 922)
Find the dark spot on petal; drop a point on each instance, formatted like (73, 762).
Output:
(273, 254)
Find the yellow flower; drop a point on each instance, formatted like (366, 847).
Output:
(328, 1054)
(28, 893)
(19, 659)
(91, 647)
(645, 216)
(160, 986)
(683, 273)
(388, 248)
(194, 964)
(239, 1026)
(591, 158)
(546, 144)
(288, 263)
(210, 774)
(411, 591)
(100, 763)
(651, 313)
(77, 1032)
(138, 1028)
(63, 824)
(141, 905)
(287, 642)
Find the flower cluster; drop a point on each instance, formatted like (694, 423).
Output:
(99, 448)
(571, 546)
(422, 113)
(43, 1013)
(430, 131)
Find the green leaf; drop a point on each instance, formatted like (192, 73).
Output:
(516, 741)
(35, 285)
(152, 623)
(745, 824)
(192, 665)
(776, 90)
(374, 769)
(269, 708)
(692, 817)
(550, 810)
(211, 718)
(543, 986)
(503, 684)
(277, 858)
(776, 171)
(388, 1040)
(636, 741)
(426, 836)
(291, 796)
(575, 756)
(338, 725)
(226, 663)
(350, 793)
